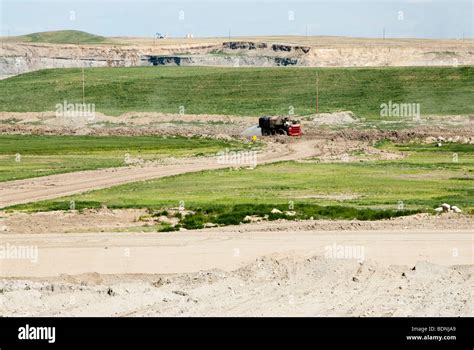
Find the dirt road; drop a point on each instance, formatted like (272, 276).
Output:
(182, 252)
(47, 187)
(408, 266)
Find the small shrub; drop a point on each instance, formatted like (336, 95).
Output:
(169, 228)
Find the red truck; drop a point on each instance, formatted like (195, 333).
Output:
(279, 125)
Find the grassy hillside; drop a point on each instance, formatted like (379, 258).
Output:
(47, 155)
(422, 181)
(62, 37)
(244, 91)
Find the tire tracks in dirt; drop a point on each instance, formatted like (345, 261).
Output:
(54, 186)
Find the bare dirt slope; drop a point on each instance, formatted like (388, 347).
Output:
(30, 190)
(252, 273)
(20, 57)
(269, 286)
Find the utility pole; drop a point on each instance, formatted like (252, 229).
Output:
(317, 93)
(383, 35)
(83, 88)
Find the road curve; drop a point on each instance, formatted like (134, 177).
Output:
(54, 186)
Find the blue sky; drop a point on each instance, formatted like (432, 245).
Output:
(415, 18)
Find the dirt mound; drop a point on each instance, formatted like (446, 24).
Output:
(275, 285)
(71, 221)
(400, 136)
(131, 124)
(338, 118)
(323, 126)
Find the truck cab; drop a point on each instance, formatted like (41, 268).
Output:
(279, 125)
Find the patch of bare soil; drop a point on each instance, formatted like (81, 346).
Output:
(128, 124)
(335, 196)
(322, 126)
(423, 221)
(338, 149)
(71, 221)
(274, 285)
(407, 266)
(428, 134)
(338, 118)
(107, 220)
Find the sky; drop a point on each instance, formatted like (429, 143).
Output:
(401, 19)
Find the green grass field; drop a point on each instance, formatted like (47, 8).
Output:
(47, 155)
(427, 177)
(244, 91)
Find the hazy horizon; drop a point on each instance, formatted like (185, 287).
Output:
(364, 19)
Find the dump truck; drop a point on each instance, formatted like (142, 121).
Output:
(279, 125)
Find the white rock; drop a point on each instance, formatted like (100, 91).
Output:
(430, 139)
(456, 209)
(445, 206)
(290, 213)
(276, 211)
(439, 210)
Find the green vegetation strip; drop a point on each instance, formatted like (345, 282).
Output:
(25, 156)
(359, 190)
(233, 215)
(62, 37)
(244, 91)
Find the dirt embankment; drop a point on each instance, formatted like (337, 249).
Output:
(132, 123)
(319, 126)
(274, 285)
(17, 58)
(408, 266)
(111, 220)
